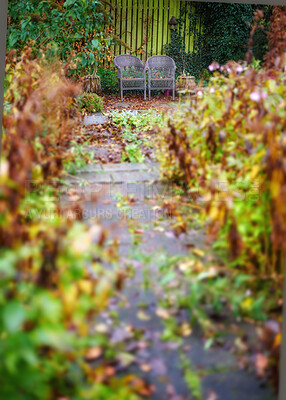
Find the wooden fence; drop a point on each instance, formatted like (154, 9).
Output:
(143, 25)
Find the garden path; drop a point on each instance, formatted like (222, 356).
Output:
(129, 206)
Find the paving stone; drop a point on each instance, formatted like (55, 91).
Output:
(91, 168)
(95, 119)
(134, 176)
(121, 104)
(125, 166)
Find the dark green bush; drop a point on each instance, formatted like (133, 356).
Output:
(90, 102)
(220, 33)
(109, 80)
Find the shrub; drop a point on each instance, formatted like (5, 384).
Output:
(219, 33)
(109, 80)
(228, 151)
(49, 299)
(90, 102)
(67, 29)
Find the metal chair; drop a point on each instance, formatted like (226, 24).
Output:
(131, 73)
(161, 74)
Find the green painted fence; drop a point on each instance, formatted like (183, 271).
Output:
(144, 25)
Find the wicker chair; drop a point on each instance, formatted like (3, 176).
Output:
(131, 73)
(161, 73)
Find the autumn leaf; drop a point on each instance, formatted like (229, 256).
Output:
(143, 316)
(93, 353)
(163, 313)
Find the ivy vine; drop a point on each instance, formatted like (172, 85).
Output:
(219, 31)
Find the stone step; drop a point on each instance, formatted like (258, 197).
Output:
(116, 177)
(118, 167)
(95, 119)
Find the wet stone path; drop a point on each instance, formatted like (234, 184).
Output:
(129, 198)
(157, 361)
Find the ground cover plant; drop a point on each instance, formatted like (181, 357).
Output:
(127, 136)
(89, 103)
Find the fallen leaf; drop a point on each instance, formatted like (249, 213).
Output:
(240, 344)
(109, 371)
(93, 353)
(119, 335)
(185, 329)
(162, 313)
(277, 340)
(101, 328)
(198, 252)
(143, 316)
(185, 266)
(125, 358)
(145, 367)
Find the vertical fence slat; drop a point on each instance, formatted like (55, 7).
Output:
(156, 32)
(152, 27)
(141, 24)
(128, 23)
(129, 17)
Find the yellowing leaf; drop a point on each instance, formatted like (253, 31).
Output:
(275, 188)
(198, 252)
(93, 353)
(86, 286)
(214, 212)
(187, 265)
(254, 172)
(145, 367)
(185, 329)
(143, 316)
(277, 340)
(101, 328)
(247, 303)
(82, 243)
(163, 313)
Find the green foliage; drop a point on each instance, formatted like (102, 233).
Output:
(133, 123)
(221, 153)
(220, 33)
(78, 159)
(226, 29)
(109, 80)
(72, 29)
(49, 298)
(133, 154)
(138, 120)
(192, 377)
(89, 102)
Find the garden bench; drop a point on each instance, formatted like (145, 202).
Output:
(161, 74)
(131, 73)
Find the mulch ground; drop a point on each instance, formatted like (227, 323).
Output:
(134, 101)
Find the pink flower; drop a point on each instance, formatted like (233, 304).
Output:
(212, 90)
(199, 93)
(214, 66)
(239, 69)
(255, 96)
